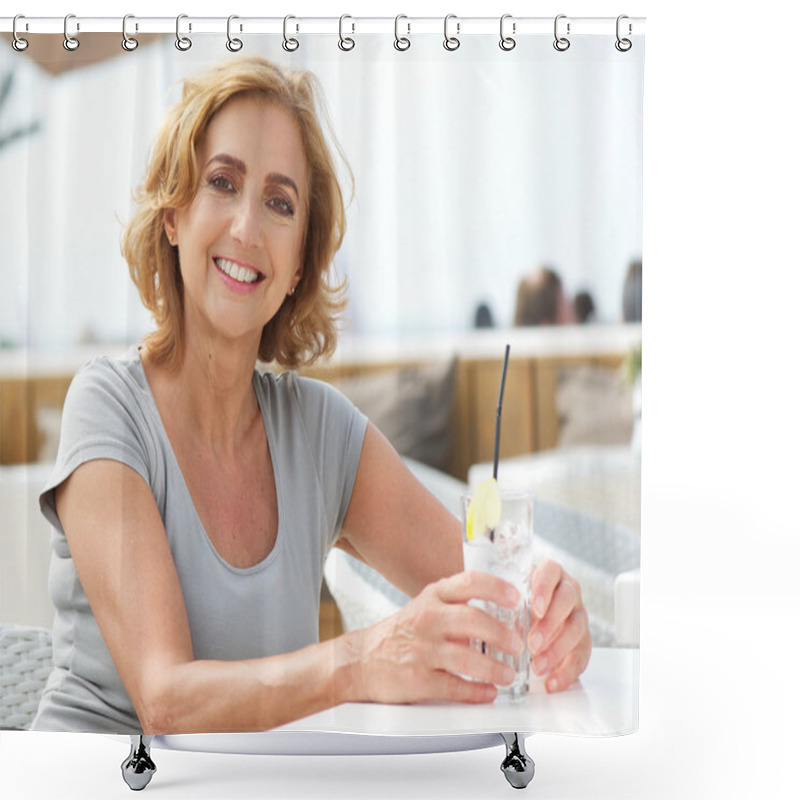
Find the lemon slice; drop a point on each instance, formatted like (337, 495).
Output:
(484, 509)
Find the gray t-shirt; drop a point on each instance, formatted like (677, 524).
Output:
(315, 436)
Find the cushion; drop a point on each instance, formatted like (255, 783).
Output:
(594, 406)
(411, 406)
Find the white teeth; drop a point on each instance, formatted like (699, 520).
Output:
(238, 273)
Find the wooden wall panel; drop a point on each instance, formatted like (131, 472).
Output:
(14, 423)
(530, 417)
(517, 433)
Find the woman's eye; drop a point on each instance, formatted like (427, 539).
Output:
(221, 182)
(282, 206)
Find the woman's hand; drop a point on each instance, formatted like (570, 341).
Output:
(421, 652)
(558, 640)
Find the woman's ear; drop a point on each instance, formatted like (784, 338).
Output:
(169, 226)
(297, 277)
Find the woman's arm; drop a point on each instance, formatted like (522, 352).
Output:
(122, 556)
(395, 525)
(120, 550)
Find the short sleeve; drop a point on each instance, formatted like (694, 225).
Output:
(102, 418)
(335, 429)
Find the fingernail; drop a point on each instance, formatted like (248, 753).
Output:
(538, 606)
(536, 642)
(508, 674)
(552, 684)
(540, 665)
(512, 595)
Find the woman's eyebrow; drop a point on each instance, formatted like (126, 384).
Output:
(236, 163)
(282, 180)
(229, 161)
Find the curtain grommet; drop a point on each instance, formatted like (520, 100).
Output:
(290, 44)
(18, 43)
(346, 43)
(451, 43)
(507, 43)
(183, 43)
(401, 43)
(233, 44)
(129, 43)
(561, 43)
(70, 43)
(623, 44)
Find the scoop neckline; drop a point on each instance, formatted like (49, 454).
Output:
(262, 405)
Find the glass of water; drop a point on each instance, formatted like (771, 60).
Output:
(501, 543)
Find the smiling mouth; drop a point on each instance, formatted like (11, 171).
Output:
(237, 272)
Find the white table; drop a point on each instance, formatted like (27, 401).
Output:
(603, 703)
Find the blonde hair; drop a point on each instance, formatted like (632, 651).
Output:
(305, 326)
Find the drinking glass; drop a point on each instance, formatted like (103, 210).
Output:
(506, 551)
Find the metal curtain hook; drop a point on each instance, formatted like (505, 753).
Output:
(561, 43)
(451, 42)
(70, 42)
(182, 42)
(506, 42)
(290, 45)
(401, 42)
(234, 45)
(623, 45)
(346, 42)
(19, 44)
(129, 43)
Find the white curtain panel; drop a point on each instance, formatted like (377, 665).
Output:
(471, 168)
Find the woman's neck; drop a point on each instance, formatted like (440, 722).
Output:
(209, 395)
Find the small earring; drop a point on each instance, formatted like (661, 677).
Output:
(291, 292)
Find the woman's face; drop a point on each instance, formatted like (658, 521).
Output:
(240, 239)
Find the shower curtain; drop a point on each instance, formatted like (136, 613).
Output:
(476, 161)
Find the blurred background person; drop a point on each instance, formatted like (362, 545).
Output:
(541, 300)
(584, 308)
(483, 316)
(632, 293)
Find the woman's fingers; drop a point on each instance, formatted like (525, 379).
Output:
(545, 659)
(569, 670)
(545, 580)
(453, 689)
(545, 627)
(474, 585)
(559, 639)
(467, 622)
(467, 661)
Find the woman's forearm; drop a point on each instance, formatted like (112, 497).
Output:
(251, 695)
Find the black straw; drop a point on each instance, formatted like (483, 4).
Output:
(499, 412)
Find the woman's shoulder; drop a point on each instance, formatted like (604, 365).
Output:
(291, 384)
(311, 397)
(109, 379)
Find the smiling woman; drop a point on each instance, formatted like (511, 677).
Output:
(194, 500)
(304, 328)
(242, 234)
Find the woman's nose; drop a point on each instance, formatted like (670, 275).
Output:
(245, 227)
